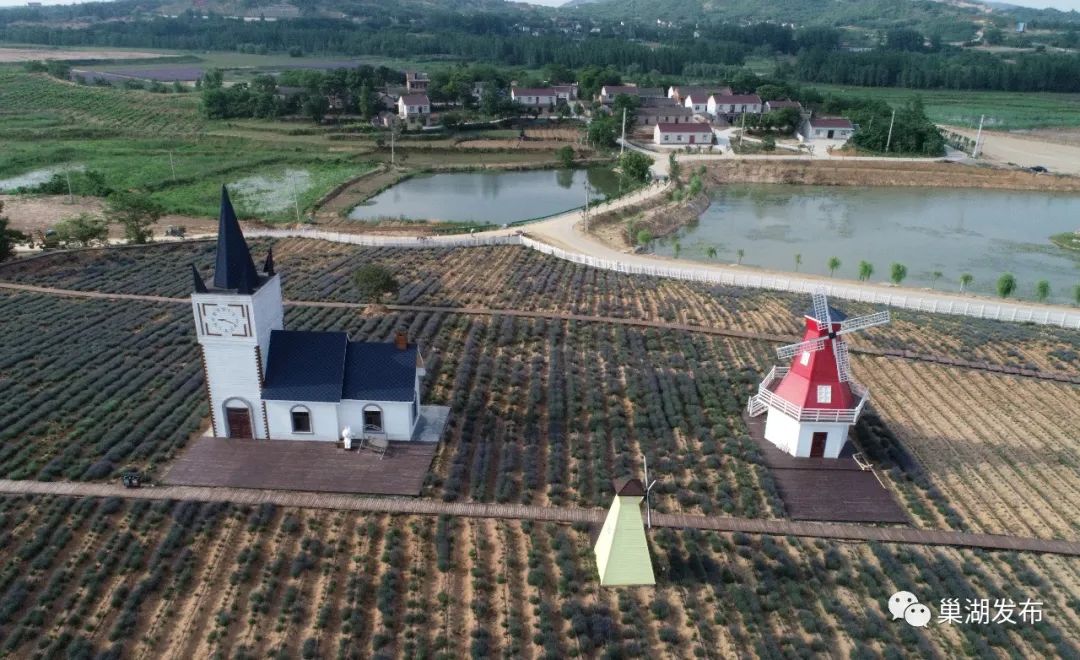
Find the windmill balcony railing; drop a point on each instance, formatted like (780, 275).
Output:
(767, 398)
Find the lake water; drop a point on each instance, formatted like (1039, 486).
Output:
(36, 177)
(490, 196)
(954, 231)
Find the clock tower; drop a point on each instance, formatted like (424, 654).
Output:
(233, 320)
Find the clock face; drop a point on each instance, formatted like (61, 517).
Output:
(226, 320)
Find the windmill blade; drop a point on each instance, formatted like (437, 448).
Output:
(843, 361)
(821, 309)
(792, 350)
(863, 322)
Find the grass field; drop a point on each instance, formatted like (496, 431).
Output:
(546, 411)
(1003, 110)
(160, 143)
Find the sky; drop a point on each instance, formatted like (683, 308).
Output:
(1064, 5)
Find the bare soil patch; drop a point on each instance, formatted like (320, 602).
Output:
(534, 145)
(34, 54)
(33, 214)
(885, 173)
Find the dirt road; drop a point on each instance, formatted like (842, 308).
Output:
(1026, 151)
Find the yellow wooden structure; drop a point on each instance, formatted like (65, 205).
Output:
(622, 552)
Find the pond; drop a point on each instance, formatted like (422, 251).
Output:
(951, 231)
(36, 177)
(489, 196)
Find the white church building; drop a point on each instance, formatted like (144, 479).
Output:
(266, 382)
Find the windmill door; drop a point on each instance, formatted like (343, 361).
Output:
(239, 420)
(817, 444)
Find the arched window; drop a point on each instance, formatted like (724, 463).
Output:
(301, 419)
(373, 418)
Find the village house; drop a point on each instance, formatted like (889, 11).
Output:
(826, 128)
(771, 106)
(267, 382)
(534, 97)
(694, 133)
(650, 115)
(698, 102)
(414, 106)
(416, 81)
(680, 92)
(731, 105)
(658, 102)
(608, 93)
(566, 93)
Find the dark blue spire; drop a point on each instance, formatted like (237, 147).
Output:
(200, 286)
(234, 270)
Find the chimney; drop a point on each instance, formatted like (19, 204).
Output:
(401, 340)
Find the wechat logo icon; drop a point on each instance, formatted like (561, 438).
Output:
(904, 605)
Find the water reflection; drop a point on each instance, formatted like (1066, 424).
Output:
(983, 232)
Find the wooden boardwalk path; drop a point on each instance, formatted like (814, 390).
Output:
(584, 318)
(838, 531)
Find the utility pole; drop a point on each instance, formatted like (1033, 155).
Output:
(392, 132)
(296, 204)
(978, 136)
(586, 203)
(71, 198)
(648, 491)
(888, 141)
(172, 165)
(622, 145)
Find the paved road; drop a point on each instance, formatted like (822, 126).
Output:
(583, 318)
(840, 531)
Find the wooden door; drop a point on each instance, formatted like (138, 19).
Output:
(239, 420)
(817, 444)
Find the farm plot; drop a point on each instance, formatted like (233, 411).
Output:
(174, 580)
(90, 386)
(517, 278)
(1004, 452)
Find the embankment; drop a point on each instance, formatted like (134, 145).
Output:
(659, 216)
(885, 173)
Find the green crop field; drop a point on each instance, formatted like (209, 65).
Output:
(1003, 110)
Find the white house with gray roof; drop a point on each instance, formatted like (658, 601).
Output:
(266, 382)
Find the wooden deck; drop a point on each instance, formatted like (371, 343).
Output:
(308, 466)
(827, 489)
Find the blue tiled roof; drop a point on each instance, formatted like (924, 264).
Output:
(305, 366)
(376, 371)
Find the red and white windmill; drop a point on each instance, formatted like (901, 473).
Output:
(812, 403)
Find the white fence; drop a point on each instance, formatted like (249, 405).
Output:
(927, 302)
(941, 304)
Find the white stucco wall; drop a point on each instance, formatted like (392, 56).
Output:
(324, 420)
(232, 364)
(397, 417)
(796, 437)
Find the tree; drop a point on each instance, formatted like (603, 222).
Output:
(866, 269)
(768, 143)
(373, 282)
(627, 103)
(798, 261)
(1006, 285)
(1076, 294)
(315, 107)
(678, 249)
(602, 132)
(934, 277)
(674, 170)
(965, 281)
(1042, 290)
(644, 237)
(710, 252)
(8, 237)
(897, 273)
(565, 154)
(740, 253)
(834, 263)
(635, 166)
(136, 212)
(83, 230)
